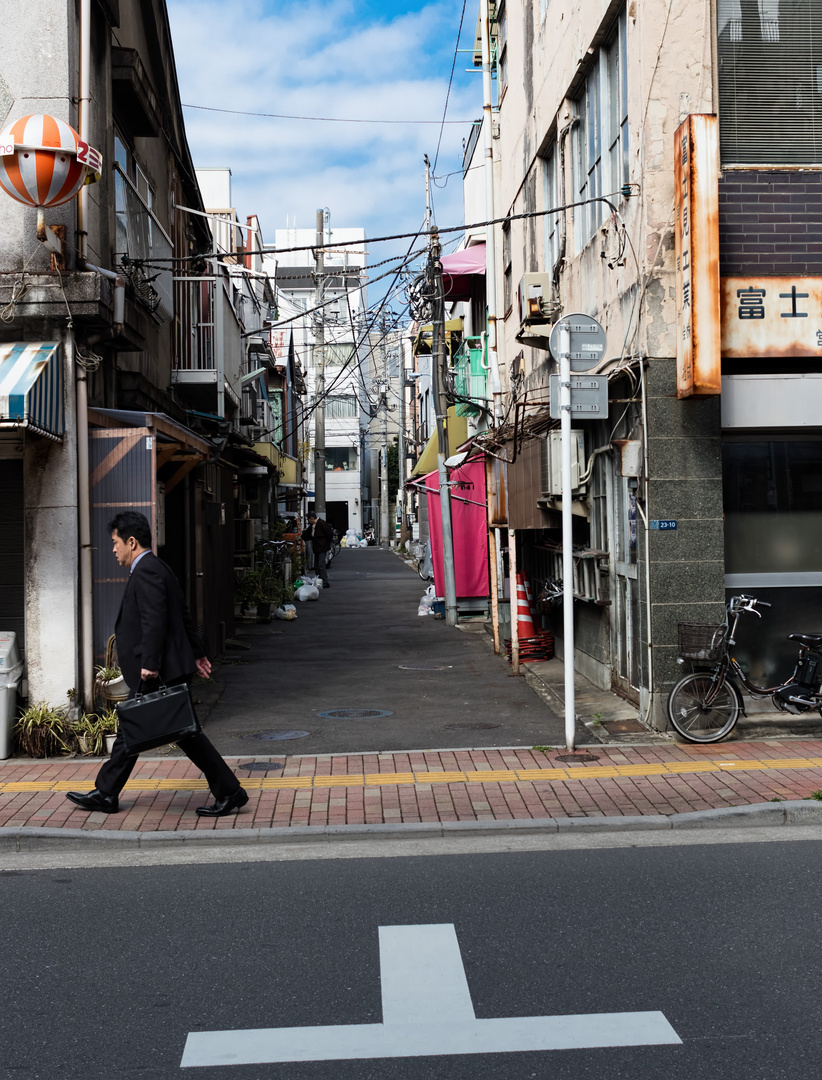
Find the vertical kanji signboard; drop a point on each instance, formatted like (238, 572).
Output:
(696, 181)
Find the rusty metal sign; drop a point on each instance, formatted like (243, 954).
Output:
(772, 316)
(696, 182)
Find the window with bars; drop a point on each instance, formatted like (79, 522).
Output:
(336, 354)
(341, 407)
(507, 270)
(770, 81)
(550, 198)
(601, 136)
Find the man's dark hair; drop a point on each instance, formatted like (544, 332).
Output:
(131, 523)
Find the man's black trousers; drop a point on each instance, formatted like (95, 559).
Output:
(199, 749)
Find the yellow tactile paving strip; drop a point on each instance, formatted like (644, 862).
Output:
(481, 776)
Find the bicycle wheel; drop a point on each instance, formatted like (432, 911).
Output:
(422, 571)
(697, 722)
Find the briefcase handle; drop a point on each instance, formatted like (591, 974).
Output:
(161, 688)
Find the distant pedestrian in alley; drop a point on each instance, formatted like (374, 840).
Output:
(321, 536)
(156, 643)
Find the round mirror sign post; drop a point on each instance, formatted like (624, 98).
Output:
(578, 343)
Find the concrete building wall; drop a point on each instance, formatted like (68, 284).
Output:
(668, 74)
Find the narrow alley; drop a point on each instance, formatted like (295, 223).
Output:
(363, 649)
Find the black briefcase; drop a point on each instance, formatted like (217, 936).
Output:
(158, 718)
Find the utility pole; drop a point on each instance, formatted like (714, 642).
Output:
(385, 541)
(319, 373)
(438, 381)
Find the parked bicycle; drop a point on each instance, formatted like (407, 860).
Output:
(704, 706)
(336, 548)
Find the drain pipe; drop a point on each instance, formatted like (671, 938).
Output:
(81, 386)
(646, 521)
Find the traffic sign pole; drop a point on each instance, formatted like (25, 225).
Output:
(567, 532)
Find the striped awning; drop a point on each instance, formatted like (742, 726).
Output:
(31, 387)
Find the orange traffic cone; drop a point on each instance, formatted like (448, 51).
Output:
(530, 597)
(525, 622)
(533, 606)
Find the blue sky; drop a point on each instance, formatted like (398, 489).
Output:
(371, 60)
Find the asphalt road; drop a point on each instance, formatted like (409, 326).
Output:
(113, 972)
(362, 646)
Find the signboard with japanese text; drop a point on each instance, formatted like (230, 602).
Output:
(696, 190)
(771, 316)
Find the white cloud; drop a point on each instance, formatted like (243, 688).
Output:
(317, 59)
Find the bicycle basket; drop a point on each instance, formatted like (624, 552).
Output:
(700, 641)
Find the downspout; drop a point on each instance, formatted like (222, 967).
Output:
(646, 516)
(81, 387)
(561, 140)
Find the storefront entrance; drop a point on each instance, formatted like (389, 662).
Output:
(772, 487)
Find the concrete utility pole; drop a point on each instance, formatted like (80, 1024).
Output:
(438, 354)
(319, 373)
(385, 541)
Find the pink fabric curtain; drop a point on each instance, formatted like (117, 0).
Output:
(470, 526)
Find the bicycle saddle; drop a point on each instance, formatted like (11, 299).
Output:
(812, 641)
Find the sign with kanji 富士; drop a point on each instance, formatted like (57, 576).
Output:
(696, 231)
(771, 316)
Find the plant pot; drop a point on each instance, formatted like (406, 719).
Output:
(264, 612)
(115, 689)
(85, 744)
(110, 743)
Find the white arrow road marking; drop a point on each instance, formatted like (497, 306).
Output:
(427, 1011)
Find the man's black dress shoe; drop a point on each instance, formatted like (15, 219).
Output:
(224, 806)
(94, 800)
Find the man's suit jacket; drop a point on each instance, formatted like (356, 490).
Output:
(154, 629)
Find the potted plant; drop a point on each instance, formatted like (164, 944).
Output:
(89, 734)
(110, 684)
(109, 722)
(43, 730)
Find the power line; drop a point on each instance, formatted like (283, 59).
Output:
(328, 119)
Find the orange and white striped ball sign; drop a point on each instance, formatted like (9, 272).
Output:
(44, 162)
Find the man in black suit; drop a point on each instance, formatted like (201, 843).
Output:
(156, 641)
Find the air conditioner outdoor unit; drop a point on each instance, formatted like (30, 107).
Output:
(534, 297)
(552, 461)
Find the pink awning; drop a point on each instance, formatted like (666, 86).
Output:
(459, 268)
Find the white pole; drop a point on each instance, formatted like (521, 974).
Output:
(567, 533)
(490, 255)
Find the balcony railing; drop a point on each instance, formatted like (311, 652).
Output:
(141, 239)
(470, 375)
(194, 325)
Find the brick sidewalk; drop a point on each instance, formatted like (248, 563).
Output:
(431, 786)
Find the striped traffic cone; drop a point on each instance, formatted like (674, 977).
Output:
(525, 622)
(532, 605)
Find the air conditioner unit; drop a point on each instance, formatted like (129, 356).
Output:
(534, 298)
(552, 461)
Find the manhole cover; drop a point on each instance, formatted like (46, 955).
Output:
(260, 766)
(623, 727)
(275, 736)
(354, 714)
(425, 667)
(577, 757)
(471, 727)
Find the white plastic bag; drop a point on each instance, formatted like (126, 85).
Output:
(307, 592)
(286, 613)
(427, 602)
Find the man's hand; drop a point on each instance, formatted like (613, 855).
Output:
(203, 667)
(145, 675)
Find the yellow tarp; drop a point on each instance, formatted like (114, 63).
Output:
(457, 435)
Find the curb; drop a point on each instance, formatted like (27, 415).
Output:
(790, 812)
